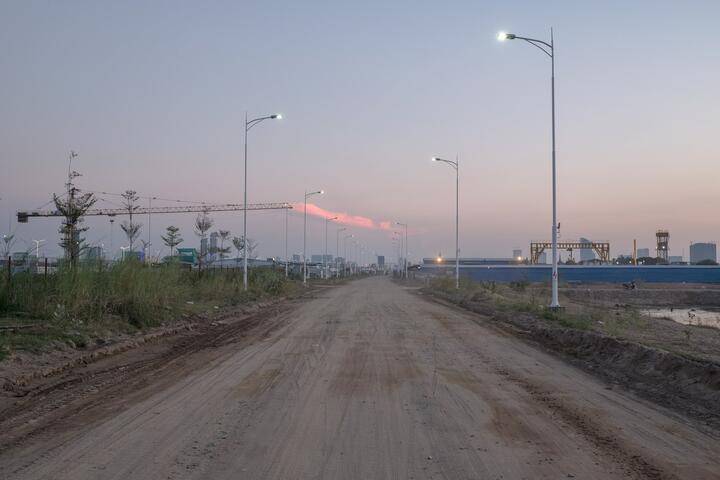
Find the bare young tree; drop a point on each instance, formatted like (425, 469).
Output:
(73, 208)
(239, 246)
(203, 223)
(8, 242)
(172, 238)
(131, 229)
(222, 250)
(251, 247)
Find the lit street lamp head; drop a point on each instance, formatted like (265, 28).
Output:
(502, 36)
(277, 116)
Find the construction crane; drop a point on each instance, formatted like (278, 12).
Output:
(23, 217)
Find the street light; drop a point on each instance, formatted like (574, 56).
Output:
(399, 240)
(37, 248)
(405, 260)
(549, 50)
(286, 243)
(248, 125)
(345, 259)
(337, 249)
(319, 192)
(325, 272)
(456, 166)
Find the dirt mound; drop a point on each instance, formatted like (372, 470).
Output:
(669, 379)
(686, 385)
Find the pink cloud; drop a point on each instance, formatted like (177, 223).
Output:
(344, 218)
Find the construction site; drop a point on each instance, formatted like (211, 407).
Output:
(322, 241)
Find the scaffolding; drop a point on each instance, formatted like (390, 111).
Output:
(663, 241)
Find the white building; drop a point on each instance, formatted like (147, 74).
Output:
(703, 251)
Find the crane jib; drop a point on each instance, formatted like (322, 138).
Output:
(23, 217)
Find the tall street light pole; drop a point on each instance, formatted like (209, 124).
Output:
(325, 265)
(405, 260)
(345, 252)
(248, 125)
(319, 192)
(456, 165)
(37, 248)
(286, 242)
(549, 50)
(337, 249)
(399, 240)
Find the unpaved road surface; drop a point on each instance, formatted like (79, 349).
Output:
(369, 381)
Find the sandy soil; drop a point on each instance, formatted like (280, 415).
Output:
(368, 380)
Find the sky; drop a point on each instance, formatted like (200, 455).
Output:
(152, 96)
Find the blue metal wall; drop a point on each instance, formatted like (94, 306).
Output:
(589, 273)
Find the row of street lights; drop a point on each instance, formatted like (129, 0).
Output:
(545, 47)
(549, 50)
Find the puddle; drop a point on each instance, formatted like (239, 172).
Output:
(686, 316)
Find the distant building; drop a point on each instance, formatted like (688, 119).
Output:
(643, 252)
(381, 261)
(203, 247)
(187, 255)
(94, 253)
(470, 261)
(517, 255)
(586, 254)
(296, 258)
(703, 251)
(542, 258)
(321, 259)
(675, 259)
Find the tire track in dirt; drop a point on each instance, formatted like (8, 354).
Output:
(94, 393)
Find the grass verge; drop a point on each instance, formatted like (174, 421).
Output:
(86, 305)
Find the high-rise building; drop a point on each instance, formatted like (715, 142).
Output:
(203, 247)
(381, 261)
(517, 254)
(586, 254)
(703, 251)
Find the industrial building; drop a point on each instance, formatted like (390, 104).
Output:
(586, 254)
(703, 252)
(469, 261)
(324, 259)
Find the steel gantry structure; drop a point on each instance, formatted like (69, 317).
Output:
(601, 248)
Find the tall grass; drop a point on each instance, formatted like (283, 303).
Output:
(522, 297)
(140, 295)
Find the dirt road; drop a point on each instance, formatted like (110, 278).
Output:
(371, 381)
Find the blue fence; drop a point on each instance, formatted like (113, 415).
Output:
(588, 273)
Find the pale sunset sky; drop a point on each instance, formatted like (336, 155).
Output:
(152, 96)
